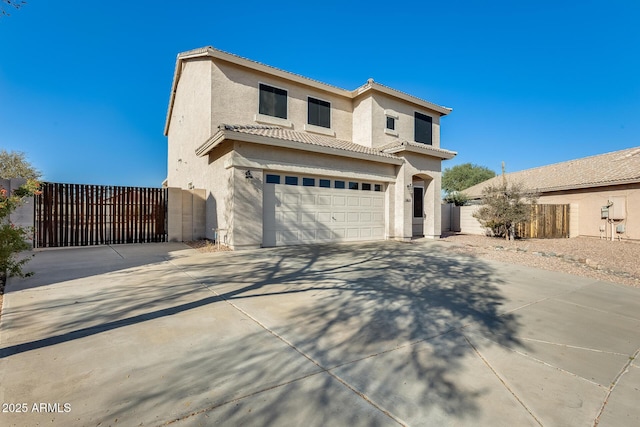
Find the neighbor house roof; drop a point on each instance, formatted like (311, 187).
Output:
(286, 138)
(370, 85)
(615, 168)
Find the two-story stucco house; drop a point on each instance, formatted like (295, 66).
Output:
(285, 159)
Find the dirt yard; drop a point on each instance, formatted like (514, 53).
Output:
(584, 256)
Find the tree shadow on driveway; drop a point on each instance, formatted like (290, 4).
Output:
(330, 325)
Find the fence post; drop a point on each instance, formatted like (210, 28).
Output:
(174, 214)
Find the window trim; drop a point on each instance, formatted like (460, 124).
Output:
(390, 114)
(309, 97)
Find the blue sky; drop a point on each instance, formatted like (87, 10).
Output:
(84, 86)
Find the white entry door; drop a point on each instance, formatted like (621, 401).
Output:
(295, 214)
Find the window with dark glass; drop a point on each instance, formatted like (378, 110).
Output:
(326, 183)
(319, 113)
(377, 187)
(418, 211)
(291, 180)
(308, 182)
(338, 184)
(273, 101)
(391, 123)
(366, 187)
(353, 185)
(423, 128)
(273, 179)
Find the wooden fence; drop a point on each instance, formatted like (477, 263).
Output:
(547, 222)
(81, 215)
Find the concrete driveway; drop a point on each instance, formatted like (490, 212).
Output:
(354, 334)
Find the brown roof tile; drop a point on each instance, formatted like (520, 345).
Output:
(304, 138)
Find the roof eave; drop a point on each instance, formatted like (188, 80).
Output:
(373, 86)
(426, 150)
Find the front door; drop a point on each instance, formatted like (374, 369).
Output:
(418, 211)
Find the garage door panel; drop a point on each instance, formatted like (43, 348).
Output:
(377, 232)
(324, 200)
(365, 201)
(308, 199)
(378, 202)
(354, 201)
(291, 200)
(365, 233)
(339, 201)
(339, 216)
(377, 216)
(353, 233)
(307, 217)
(308, 234)
(353, 217)
(365, 217)
(339, 233)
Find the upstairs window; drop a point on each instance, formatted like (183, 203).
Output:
(423, 128)
(273, 101)
(391, 123)
(319, 113)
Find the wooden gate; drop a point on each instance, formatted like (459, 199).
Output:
(547, 222)
(81, 215)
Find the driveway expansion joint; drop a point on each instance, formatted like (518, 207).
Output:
(614, 383)
(486, 362)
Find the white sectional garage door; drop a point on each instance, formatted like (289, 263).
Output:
(298, 215)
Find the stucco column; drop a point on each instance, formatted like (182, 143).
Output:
(246, 232)
(433, 210)
(403, 203)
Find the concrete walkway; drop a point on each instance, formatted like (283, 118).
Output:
(354, 334)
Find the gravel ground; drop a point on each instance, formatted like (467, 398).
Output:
(207, 246)
(583, 256)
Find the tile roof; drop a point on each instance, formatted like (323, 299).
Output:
(304, 138)
(618, 167)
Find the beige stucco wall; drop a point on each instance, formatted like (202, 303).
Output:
(362, 121)
(589, 202)
(235, 100)
(190, 122)
(404, 124)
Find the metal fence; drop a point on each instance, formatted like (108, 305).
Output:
(82, 215)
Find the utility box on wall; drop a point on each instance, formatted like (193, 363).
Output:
(618, 210)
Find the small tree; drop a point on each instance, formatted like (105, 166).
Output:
(13, 238)
(461, 177)
(458, 198)
(14, 164)
(503, 206)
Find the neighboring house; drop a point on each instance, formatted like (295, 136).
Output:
(610, 181)
(285, 159)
